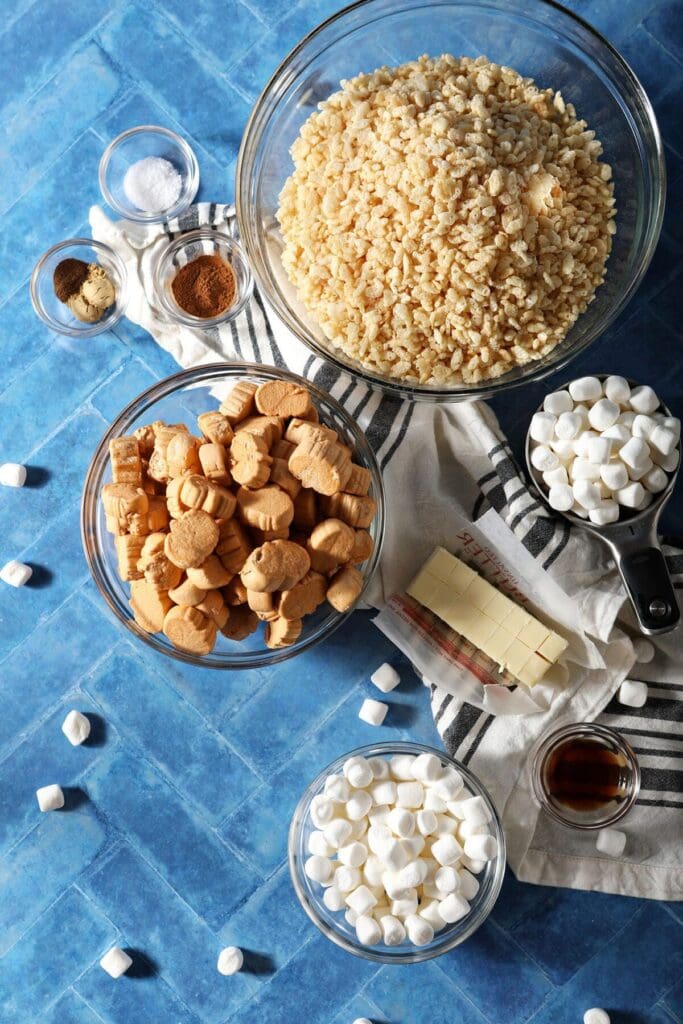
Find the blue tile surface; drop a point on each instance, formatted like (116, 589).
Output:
(173, 842)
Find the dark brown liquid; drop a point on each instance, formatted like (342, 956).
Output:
(585, 775)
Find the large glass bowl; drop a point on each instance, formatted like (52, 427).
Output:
(539, 39)
(180, 399)
(334, 925)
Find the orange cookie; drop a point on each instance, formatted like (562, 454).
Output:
(358, 510)
(359, 480)
(249, 460)
(283, 632)
(266, 509)
(263, 604)
(233, 547)
(157, 513)
(321, 465)
(305, 509)
(145, 439)
(186, 593)
(362, 547)
(126, 467)
(213, 459)
(304, 597)
(280, 475)
(240, 402)
(276, 565)
(282, 398)
(241, 623)
(345, 588)
(149, 605)
(235, 593)
(190, 630)
(215, 608)
(192, 539)
(181, 455)
(199, 493)
(121, 502)
(268, 428)
(299, 430)
(330, 545)
(128, 550)
(161, 573)
(282, 449)
(216, 427)
(210, 575)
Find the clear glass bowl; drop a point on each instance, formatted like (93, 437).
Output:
(539, 39)
(185, 248)
(588, 818)
(56, 314)
(334, 925)
(136, 144)
(179, 399)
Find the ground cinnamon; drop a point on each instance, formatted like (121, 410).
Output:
(205, 287)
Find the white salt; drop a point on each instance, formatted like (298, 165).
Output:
(152, 184)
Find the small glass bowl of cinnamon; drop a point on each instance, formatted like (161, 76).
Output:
(202, 279)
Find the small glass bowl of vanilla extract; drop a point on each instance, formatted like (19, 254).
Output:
(585, 776)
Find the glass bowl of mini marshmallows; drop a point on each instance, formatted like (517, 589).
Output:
(396, 852)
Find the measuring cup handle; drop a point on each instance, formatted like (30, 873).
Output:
(649, 586)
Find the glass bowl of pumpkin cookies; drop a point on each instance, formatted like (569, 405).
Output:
(233, 515)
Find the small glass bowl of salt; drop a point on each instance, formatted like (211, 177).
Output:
(149, 174)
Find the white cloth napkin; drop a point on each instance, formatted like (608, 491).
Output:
(440, 464)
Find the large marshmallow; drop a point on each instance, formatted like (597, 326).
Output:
(585, 389)
(603, 415)
(643, 399)
(558, 402)
(569, 426)
(12, 474)
(544, 458)
(542, 427)
(116, 962)
(230, 960)
(50, 798)
(632, 693)
(76, 728)
(385, 678)
(611, 842)
(617, 389)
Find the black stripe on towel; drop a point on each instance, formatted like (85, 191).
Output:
(444, 707)
(661, 708)
(461, 726)
(401, 434)
(564, 540)
(665, 780)
(477, 739)
(252, 335)
(235, 339)
(658, 734)
(539, 536)
(659, 803)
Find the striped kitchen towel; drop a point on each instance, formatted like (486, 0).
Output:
(441, 464)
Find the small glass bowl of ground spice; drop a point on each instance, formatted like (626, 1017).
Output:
(78, 287)
(149, 174)
(202, 278)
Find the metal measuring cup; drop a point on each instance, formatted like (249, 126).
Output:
(634, 543)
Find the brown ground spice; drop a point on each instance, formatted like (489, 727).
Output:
(205, 287)
(68, 277)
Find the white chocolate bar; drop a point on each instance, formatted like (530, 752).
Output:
(487, 618)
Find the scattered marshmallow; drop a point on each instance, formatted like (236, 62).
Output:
(632, 693)
(12, 474)
(230, 960)
(373, 712)
(385, 678)
(50, 798)
(596, 1016)
(611, 842)
(645, 651)
(16, 574)
(116, 962)
(76, 728)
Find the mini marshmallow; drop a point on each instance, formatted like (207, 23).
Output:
(558, 402)
(553, 477)
(409, 794)
(379, 768)
(569, 426)
(645, 651)
(404, 907)
(350, 916)
(413, 874)
(379, 836)
(605, 513)
(638, 472)
(671, 423)
(614, 475)
(454, 907)
(582, 469)
(401, 821)
(362, 1020)
(116, 962)
(581, 444)
(322, 810)
(394, 854)
(643, 426)
(430, 912)
(617, 389)
(393, 932)
(473, 865)
(432, 802)
(413, 846)
(632, 693)
(337, 832)
(427, 768)
(631, 495)
(12, 474)
(646, 500)
(383, 792)
(449, 786)
(333, 898)
(385, 678)
(542, 427)
(373, 712)
(469, 886)
(359, 828)
(445, 825)
(373, 870)
(420, 932)
(455, 807)
(50, 798)
(319, 869)
(618, 435)
(655, 480)
(587, 494)
(378, 815)
(346, 879)
(476, 810)
(318, 845)
(598, 450)
(337, 788)
(663, 440)
(596, 1016)
(576, 510)
(483, 847)
(426, 822)
(358, 772)
(561, 497)
(544, 459)
(394, 887)
(585, 389)
(611, 842)
(354, 854)
(643, 399)
(468, 828)
(358, 805)
(361, 900)
(368, 930)
(447, 850)
(76, 728)
(667, 462)
(401, 767)
(447, 879)
(16, 574)
(230, 960)
(565, 452)
(604, 414)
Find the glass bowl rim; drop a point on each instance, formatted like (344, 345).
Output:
(552, 739)
(654, 157)
(188, 193)
(90, 505)
(172, 248)
(411, 954)
(106, 322)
